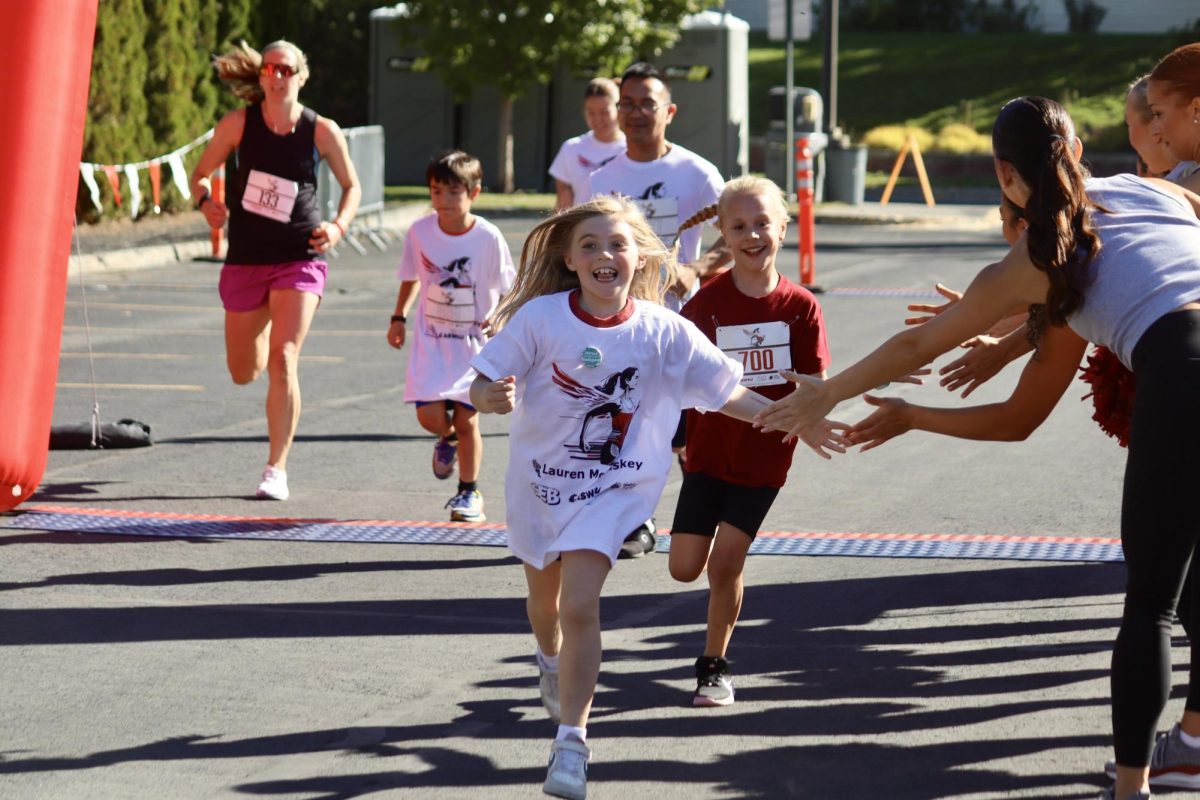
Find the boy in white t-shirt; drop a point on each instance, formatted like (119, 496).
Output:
(580, 155)
(457, 266)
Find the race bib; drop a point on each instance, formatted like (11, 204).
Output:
(450, 310)
(270, 196)
(762, 348)
(663, 215)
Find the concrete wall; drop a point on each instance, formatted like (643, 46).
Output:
(1124, 16)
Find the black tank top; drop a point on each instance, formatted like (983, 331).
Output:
(255, 239)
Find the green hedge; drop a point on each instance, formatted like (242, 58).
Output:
(153, 88)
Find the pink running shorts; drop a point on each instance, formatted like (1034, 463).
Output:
(245, 287)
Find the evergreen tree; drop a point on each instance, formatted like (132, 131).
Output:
(335, 35)
(117, 130)
(235, 20)
(177, 69)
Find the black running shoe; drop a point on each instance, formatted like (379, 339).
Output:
(641, 541)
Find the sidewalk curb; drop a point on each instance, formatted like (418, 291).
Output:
(958, 216)
(395, 219)
(398, 217)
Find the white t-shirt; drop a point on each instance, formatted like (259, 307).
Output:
(668, 190)
(588, 454)
(579, 156)
(462, 278)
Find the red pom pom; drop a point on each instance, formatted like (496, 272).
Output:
(1112, 393)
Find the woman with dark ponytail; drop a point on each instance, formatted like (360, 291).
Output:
(1118, 260)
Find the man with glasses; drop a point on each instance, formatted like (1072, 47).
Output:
(669, 183)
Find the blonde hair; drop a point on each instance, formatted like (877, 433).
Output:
(1138, 94)
(543, 258)
(238, 68)
(744, 185)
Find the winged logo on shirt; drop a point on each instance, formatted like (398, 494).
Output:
(455, 275)
(607, 411)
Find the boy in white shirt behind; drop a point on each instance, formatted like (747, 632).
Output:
(457, 266)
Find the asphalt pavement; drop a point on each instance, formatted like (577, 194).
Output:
(186, 658)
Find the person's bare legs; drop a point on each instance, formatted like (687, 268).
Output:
(725, 558)
(246, 337)
(542, 606)
(725, 587)
(291, 315)
(583, 576)
(470, 443)
(434, 419)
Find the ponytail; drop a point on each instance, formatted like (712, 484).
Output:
(1036, 136)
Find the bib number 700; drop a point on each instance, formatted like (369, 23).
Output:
(764, 348)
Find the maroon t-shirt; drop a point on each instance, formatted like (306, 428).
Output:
(722, 446)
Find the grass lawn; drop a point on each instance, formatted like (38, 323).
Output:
(487, 201)
(930, 79)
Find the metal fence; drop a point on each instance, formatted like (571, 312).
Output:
(366, 151)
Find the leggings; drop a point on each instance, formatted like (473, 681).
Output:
(1159, 530)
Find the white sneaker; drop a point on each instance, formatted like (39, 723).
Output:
(273, 485)
(567, 775)
(548, 688)
(466, 506)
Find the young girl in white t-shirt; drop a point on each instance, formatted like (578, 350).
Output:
(597, 372)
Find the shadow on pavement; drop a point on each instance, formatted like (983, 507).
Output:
(823, 645)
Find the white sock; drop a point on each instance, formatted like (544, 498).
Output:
(566, 730)
(1190, 741)
(547, 663)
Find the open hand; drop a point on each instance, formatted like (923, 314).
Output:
(892, 418)
(799, 411)
(929, 309)
(824, 435)
(984, 358)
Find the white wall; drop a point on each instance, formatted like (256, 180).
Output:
(1124, 16)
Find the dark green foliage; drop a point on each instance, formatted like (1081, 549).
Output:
(117, 130)
(335, 36)
(178, 72)
(516, 44)
(931, 79)
(1084, 16)
(944, 16)
(234, 18)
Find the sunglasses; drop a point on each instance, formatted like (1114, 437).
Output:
(277, 70)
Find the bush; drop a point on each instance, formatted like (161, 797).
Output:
(893, 137)
(961, 139)
(946, 16)
(1084, 16)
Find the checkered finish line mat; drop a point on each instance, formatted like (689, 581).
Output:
(881, 545)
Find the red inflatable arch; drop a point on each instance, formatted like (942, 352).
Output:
(44, 93)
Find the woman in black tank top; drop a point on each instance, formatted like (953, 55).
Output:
(274, 270)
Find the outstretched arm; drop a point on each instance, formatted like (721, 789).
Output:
(985, 357)
(1044, 380)
(744, 404)
(994, 291)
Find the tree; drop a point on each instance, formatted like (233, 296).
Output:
(517, 44)
(334, 34)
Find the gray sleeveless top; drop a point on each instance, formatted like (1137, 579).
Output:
(1149, 264)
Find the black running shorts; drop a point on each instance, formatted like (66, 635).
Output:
(705, 502)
